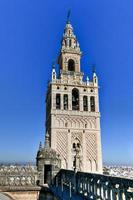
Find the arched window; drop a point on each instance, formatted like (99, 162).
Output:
(58, 101)
(92, 104)
(65, 43)
(74, 145)
(78, 145)
(75, 99)
(85, 103)
(65, 101)
(70, 43)
(71, 65)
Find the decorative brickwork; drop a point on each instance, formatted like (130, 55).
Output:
(62, 146)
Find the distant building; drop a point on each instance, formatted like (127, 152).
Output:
(72, 115)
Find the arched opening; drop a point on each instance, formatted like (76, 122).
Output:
(65, 43)
(65, 101)
(74, 145)
(58, 101)
(92, 104)
(70, 43)
(85, 103)
(75, 99)
(71, 65)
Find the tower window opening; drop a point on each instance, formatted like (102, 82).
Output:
(92, 104)
(65, 43)
(85, 103)
(58, 101)
(65, 101)
(78, 145)
(74, 145)
(70, 43)
(66, 124)
(75, 99)
(71, 65)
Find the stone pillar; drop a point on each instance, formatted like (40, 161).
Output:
(61, 101)
(81, 102)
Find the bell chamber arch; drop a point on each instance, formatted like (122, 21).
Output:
(71, 65)
(75, 99)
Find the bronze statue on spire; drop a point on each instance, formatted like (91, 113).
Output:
(68, 16)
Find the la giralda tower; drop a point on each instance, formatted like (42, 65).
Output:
(72, 110)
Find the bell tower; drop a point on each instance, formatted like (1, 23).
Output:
(72, 110)
(70, 54)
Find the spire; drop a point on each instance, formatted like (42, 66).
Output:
(95, 79)
(70, 54)
(53, 71)
(69, 40)
(87, 80)
(40, 146)
(68, 16)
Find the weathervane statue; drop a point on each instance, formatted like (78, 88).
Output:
(68, 16)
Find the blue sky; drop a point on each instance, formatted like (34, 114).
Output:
(30, 35)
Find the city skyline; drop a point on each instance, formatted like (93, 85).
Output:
(30, 39)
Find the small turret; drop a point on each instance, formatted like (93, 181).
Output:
(69, 41)
(53, 72)
(95, 78)
(40, 146)
(87, 80)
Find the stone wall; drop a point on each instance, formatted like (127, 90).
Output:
(22, 195)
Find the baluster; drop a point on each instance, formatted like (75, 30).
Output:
(70, 190)
(123, 195)
(109, 192)
(120, 194)
(96, 187)
(93, 189)
(56, 179)
(88, 188)
(104, 191)
(102, 195)
(98, 191)
(117, 195)
(83, 186)
(114, 194)
(62, 184)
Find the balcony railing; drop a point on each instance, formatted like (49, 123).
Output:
(94, 186)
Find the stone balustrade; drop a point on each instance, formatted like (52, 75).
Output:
(94, 186)
(18, 176)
